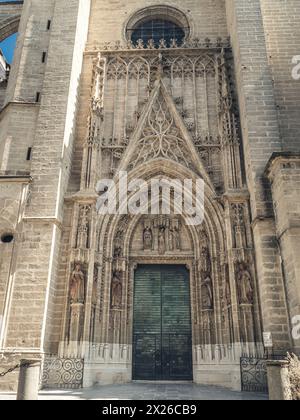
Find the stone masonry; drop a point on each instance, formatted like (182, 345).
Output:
(80, 104)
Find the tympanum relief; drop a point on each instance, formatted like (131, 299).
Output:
(161, 235)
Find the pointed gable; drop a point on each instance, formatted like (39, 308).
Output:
(162, 134)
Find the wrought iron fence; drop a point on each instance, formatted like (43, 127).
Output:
(62, 373)
(254, 374)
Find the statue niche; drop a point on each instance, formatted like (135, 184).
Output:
(83, 227)
(175, 242)
(205, 264)
(77, 285)
(116, 290)
(244, 285)
(207, 294)
(161, 234)
(162, 240)
(148, 238)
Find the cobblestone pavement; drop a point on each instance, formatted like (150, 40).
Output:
(143, 391)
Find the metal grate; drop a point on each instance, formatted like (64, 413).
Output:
(62, 373)
(158, 29)
(254, 374)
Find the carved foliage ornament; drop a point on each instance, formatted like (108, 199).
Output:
(195, 43)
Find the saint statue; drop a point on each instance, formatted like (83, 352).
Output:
(207, 294)
(245, 288)
(116, 291)
(176, 237)
(205, 260)
(228, 292)
(77, 285)
(148, 238)
(161, 240)
(83, 228)
(95, 287)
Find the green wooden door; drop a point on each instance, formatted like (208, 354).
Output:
(162, 334)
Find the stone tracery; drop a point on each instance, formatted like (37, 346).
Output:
(182, 106)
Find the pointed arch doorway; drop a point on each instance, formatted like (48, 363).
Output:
(162, 327)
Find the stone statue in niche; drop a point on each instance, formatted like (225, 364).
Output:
(95, 287)
(240, 236)
(245, 285)
(175, 236)
(207, 294)
(116, 290)
(162, 240)
(148, 238)
(228, 292)
(118, 245)
(205, 260)
(77, 285)
(83, 227)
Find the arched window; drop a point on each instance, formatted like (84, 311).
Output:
(157, 29)
(156, 23)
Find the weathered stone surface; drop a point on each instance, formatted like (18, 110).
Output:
(104, 107)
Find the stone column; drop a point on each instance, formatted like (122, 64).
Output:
(283, 172)
(278, 380)
(261, 137)
(28, 387)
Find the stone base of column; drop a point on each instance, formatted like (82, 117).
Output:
(29, 380)
(278, 380)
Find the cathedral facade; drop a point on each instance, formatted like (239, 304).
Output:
(200, 89)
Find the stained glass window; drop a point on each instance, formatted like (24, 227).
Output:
(158, 29)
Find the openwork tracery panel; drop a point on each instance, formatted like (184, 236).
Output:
(192, 80)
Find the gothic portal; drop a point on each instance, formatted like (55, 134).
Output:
(157, 91)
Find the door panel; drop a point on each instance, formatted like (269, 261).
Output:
(162, 343)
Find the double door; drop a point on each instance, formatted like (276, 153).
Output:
(162, 331)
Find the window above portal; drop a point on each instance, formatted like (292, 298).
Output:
(156, 30)
(157, 23)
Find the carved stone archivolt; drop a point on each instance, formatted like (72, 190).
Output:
(170, 113)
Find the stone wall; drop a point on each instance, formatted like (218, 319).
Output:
(284, 174)
(261, 137)
(34, 281)
(30, 301)
(281, 20)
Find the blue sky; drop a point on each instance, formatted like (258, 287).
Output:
(8, 46)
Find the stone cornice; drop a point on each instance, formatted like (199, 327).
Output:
(16, 178)
(193, 45)
(18, 103)
(278, 158)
